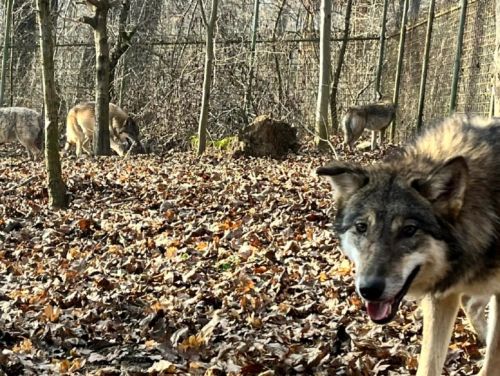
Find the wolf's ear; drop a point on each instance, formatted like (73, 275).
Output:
(345, 179)
(445, 187)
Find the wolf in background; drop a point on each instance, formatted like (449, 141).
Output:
(373, 116)
(80, 124)
(428, 224)
(25, 125)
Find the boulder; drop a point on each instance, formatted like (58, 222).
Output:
(267, 137)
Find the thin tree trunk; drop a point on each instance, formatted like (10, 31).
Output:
(101, 133)
(123, 83)
(11, 69)
(281, 96)
(255, 28)
(338, 68)
(99, 23)
(55, 183)
(497, 61)
(207, 81)
(321, 136)
(5, 57)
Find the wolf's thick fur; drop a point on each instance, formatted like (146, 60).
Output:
(428, 224)
(374, 116)
(80, 124)
(25, 125)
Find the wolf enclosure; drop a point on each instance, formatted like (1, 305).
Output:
(157, 61)
(168, 262)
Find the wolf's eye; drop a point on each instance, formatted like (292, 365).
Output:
(409, 231)
(361, 227)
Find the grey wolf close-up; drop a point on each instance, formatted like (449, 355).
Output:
(80, 124)
(427, 224)
(24, 125)
(374, 116)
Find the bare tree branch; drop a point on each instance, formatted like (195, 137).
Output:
(203, 16)
(358, 95)
(92, 21)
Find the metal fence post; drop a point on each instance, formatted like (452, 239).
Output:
(425, 65)
(380, 65)
(458, 57)
(402, 37)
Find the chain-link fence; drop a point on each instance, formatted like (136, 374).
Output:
(475, 74)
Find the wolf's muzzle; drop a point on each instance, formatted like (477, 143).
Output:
(372, 288)
(383, 311)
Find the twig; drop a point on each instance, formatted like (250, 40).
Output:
(134, 142)
(363, 90)
(24, 182)
(203, 16)
(329, 143)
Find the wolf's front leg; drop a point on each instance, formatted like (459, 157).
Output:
(439, 317)
(491, 366)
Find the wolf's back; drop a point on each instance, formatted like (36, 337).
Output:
(477, 140)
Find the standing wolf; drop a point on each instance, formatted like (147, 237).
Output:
(80, 124)
(23, 124)
(428, 224)
(374, 116)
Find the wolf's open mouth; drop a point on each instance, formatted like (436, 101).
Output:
(382, 312)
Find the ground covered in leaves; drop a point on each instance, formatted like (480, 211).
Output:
(177, 265)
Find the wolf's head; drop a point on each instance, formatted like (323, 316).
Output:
(131, 128)
(393, 224)
(130, 134)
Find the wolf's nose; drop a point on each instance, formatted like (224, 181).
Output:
(372, 289)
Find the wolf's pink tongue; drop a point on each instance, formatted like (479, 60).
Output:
(378, 310)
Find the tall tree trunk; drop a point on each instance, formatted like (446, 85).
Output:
(497, 61)
(255, 28)
(99, 22)
(101, 133)
(55, 183)
(5, 57)
(207, 81)
(321, 136)
(338, 68)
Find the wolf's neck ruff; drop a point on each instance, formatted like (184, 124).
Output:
(425, 223)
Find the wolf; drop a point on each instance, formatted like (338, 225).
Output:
(427, 224)
(374, 116)
(25, 125)
(80, 124)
